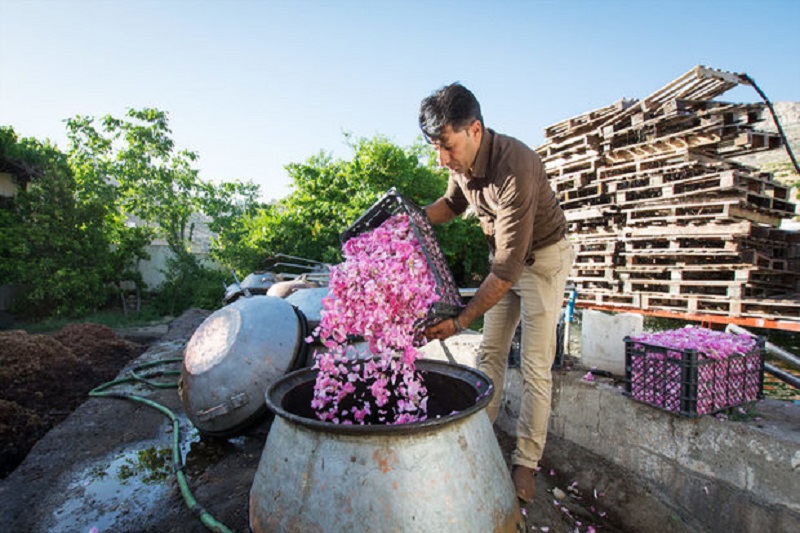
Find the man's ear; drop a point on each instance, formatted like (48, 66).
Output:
(475, 128)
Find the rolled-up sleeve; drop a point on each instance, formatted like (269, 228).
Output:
(454, 197)
(513, 231)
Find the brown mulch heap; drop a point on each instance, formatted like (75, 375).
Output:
(43, 378)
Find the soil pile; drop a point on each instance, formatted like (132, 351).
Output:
(44, 377)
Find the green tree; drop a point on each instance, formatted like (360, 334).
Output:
(329, 194)
(132, 163)
(54, 245)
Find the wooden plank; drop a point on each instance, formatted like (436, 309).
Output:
(716, 211)
(699, 83)
(758, 319)
(760, 192)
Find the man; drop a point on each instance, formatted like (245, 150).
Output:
(505, 183)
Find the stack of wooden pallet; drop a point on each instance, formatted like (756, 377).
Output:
(662, 218)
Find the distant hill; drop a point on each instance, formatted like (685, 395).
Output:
(777, 161)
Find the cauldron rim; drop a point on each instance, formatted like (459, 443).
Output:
(483, 394)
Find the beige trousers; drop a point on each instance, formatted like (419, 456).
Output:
(539, 295)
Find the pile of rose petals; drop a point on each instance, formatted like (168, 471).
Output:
(383, 292)
(726, 372)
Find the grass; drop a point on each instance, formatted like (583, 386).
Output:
(113, 318)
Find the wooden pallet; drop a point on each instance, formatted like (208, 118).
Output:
(663, 147)
(663, 163)
(573, 180)
(751, 114)
(699, 83)
(586, 121)
(715, 288)
(586, 144)
(716, 211)
(583, 197)
(770, 308)
(747, 142)
(599, 297)
(736, 272)
(691, 178)
(758, 191)
(779, 309)
(592, 285)
(562, 165)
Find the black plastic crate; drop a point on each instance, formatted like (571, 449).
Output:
(688, 383)
(393, 203)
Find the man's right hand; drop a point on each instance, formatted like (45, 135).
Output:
(439, 213)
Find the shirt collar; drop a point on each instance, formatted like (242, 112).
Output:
(479, 168)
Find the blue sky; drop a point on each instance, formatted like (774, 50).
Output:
(254, 85)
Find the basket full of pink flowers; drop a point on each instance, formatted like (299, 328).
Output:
(393, 281)
(694, 371)
(449, 302)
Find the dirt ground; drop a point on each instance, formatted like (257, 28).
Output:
(101, 464)
(44, 377)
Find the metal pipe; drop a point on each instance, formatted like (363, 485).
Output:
(791, 379)
(778, 352)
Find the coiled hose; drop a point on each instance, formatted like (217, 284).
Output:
(134, 376)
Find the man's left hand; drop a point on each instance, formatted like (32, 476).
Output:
(440, 330)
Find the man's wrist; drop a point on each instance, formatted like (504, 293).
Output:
(457, 325)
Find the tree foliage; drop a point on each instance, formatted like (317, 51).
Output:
(329, 194)
(80, 228)
(132, 162)
(55, 245)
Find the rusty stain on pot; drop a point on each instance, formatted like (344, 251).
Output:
(385, 459)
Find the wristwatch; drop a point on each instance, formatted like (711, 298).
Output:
(459, 329)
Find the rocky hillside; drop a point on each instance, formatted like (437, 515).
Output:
(777, 161)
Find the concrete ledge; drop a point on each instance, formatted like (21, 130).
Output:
(718, 475)
(703, 474)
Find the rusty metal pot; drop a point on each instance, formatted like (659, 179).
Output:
(444, 474)
(235, 355)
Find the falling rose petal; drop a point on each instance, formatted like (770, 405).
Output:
(705, 489)
(524, 511)
(588, 377)
(552, 472)
(382, 291)
(94, 530)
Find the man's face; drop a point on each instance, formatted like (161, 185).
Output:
(457, 149)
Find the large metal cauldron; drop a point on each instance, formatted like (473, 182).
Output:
(235, 355)
(446, 474)
(309, 301)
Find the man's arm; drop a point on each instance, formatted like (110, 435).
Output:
(489, 293)
(439, 213)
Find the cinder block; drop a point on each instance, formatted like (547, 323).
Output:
(602, 334)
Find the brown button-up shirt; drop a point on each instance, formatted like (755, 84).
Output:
(509, 191)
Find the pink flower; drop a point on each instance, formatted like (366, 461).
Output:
(383, 291)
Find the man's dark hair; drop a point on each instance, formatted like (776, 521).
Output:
(453, 105)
